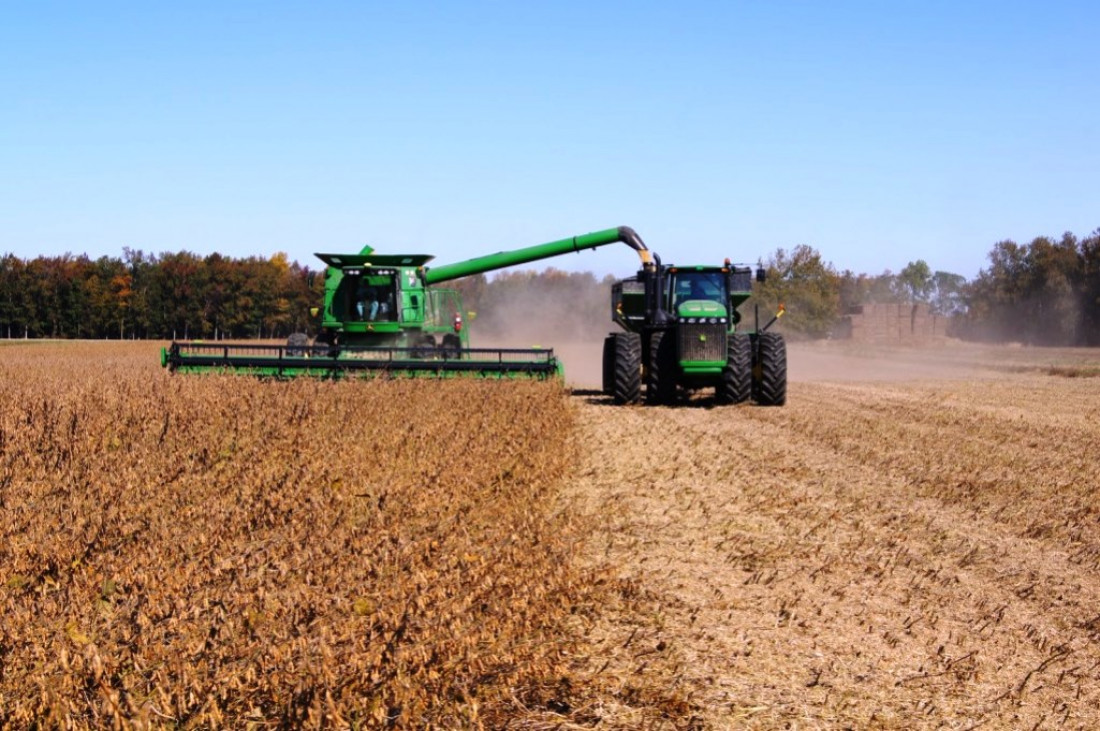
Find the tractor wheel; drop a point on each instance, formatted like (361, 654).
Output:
(769, 386)
(451, 347)
(660, 374)
(627, 385)
(736, 385)
(609, 365)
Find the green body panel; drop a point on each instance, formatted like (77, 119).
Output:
(702, 367)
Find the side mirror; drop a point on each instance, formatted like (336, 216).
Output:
(761, 275)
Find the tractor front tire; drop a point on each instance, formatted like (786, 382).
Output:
(626, 387)
(770, 370)
(736, 385)
(660, 375)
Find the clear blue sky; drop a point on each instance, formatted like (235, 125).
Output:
(876, 132)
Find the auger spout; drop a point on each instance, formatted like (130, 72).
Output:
(503, 259)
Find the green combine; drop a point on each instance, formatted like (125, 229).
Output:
(383, 314)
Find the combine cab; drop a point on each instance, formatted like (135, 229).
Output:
(383, 314)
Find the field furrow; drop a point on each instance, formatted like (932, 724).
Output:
(874, 554)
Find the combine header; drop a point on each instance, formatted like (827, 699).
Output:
(383, 314)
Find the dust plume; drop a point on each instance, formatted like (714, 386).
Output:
(826, 361)
(568, 312)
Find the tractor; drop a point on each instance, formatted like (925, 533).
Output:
(682, 331)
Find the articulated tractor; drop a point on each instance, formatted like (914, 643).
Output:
(384, 314)
(683, 331)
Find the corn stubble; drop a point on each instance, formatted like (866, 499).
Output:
(212, 551)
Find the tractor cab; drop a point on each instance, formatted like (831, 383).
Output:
(696, 286)
(707, 291)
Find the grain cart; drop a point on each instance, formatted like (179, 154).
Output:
(683, 331)
(383, 313)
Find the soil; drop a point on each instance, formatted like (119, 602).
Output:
(912, 542)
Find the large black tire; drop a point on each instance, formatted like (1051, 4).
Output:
(425, 347)
(626, 387)
(608, 382)
(451, 347)
(736, 385)
(326, 345)
(770, 370)
(660, 372)
(297, 344)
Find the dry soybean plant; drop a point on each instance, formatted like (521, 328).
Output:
(222, 551)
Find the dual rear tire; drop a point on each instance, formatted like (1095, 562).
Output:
(622, 367)
(736, 384)
(660, 372)
(769, 370)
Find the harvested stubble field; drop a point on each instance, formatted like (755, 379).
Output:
(913, 542)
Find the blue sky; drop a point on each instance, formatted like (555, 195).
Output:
(878, 133)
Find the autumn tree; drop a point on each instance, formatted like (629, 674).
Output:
(806, 285)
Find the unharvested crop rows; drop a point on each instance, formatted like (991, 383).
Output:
(211, 551)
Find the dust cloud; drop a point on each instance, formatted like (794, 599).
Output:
(840, 361)
(571, 314)
(836, 361)
(572, 320)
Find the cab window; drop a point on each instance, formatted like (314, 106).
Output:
(698, 286)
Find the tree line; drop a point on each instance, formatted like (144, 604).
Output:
(173, 295)
(1045, 292)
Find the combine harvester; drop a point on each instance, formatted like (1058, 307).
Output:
(383, 314)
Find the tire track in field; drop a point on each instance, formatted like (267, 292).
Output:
(890, 555)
